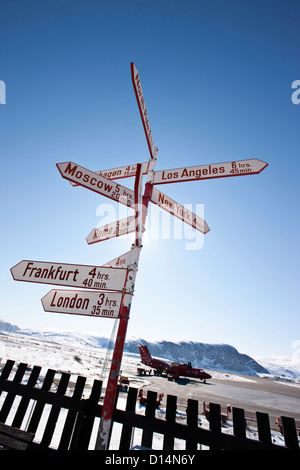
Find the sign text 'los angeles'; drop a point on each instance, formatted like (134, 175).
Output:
(213, 170)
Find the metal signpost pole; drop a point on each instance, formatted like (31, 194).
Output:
(141, 207)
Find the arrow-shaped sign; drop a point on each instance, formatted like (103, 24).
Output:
(99, 184)
(142, 108)
(214, 170)
(92, 277)
(121, 261)
(96, 304)
(179, 211)
(112, 230)
(120, 172)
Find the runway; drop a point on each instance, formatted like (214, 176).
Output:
(250, 393)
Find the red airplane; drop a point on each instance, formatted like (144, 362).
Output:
(173, 370)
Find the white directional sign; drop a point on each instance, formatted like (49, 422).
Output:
(113, 230)
(214, 170)
(179, 211)
(120, 262)
(72, 275)
(98, 304)
(142, 107)
(99, 184)
(120, 172)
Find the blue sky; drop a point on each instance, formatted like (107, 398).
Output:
(217, 80)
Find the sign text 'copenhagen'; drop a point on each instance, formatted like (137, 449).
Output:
(120, 172)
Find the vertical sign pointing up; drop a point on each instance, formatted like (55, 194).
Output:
(142, 107)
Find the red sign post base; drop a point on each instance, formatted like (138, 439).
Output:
(104, 432)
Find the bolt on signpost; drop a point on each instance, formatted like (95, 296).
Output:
(112, 284)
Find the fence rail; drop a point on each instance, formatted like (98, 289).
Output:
(56, 411)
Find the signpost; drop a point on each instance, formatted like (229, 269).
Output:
(76, 302)
(113, 288)
(72, 275)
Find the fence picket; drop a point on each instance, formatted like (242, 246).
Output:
(263, 427)
(7, 369)
(39, 405)
(289, 432)
(71, 416)
(192, 422)
(147, 436)
(22, 408)
(215, 424)
(239, 422)
(53, 415)
(85, 419)
(126, 435)
(11, 396)
(168, 443)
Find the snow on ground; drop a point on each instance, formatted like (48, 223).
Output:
(232, 377)
(286, 367)
(90, 363)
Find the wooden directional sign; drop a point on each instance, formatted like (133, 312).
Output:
(142, 108)
(96, 304)
(214, 170)
(99, 184)
(179, 211)
(113, 230)
(92, 277)
(120, 172)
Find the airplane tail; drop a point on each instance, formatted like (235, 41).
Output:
(144, 352)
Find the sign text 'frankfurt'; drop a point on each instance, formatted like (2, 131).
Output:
(72, 275)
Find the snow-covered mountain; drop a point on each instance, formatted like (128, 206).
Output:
(222, 357)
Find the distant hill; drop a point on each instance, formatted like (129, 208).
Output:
(221, 357)
(210, 356)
